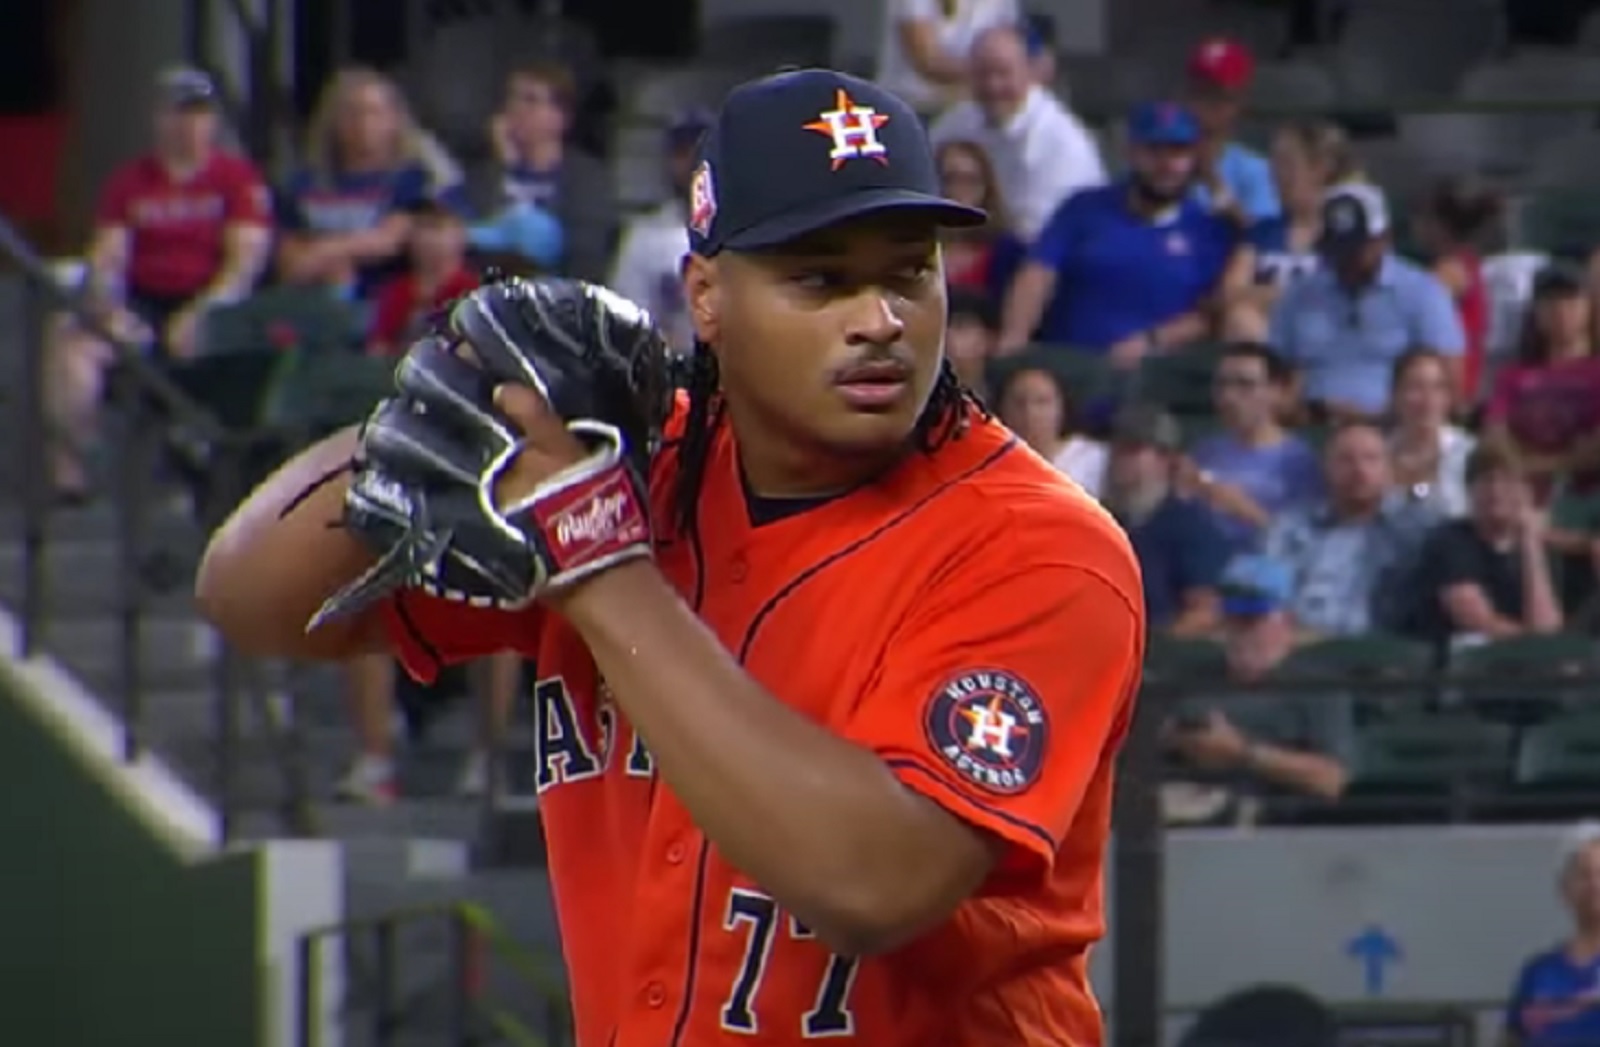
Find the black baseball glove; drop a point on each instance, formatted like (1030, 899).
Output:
(428, 458)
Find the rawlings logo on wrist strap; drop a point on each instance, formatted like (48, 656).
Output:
(585, 518)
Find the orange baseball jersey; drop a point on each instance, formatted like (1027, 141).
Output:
(975, 620)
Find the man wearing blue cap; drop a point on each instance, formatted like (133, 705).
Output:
(848, 773)
(1131, 269)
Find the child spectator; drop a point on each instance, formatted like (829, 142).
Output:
(347, 214)
(183, 228)
(1233, 177)
(1453, 227)
(982, 258)
(538, 175)
(438, 275)
(1487, 574)
(970, 338)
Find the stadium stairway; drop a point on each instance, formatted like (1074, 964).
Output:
(417, 853)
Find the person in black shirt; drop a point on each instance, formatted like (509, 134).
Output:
(1488, 572)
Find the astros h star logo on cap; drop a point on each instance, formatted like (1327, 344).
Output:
(854, 130)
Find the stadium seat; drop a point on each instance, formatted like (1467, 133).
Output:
(1295, 86)
(762, 43)
(1191, 661)
(1085, 375)
(660, 95)
(1424, 767)
(1566, 162)
(1098, 87)
(1378, 57)
(317, 393)
(1519, 679)
(1457, 143)
(1563, 751)
(279, 319)
(1389, 675)
(1560, 221)
(1180, 381)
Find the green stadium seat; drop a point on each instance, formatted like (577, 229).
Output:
(1561, 752)
(1425, 767)
(282, 318)
(233, 386)
(317, 393)
(1560, 221)
(1522, 678)
(1084, 375)
(1199, 661)
(1378, 667)
(1181, 380)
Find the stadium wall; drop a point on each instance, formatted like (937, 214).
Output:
(124, 924)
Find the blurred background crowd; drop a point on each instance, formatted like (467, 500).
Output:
(1327, 405)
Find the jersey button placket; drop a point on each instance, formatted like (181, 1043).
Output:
(655, 995)
(677, 851)
(739, 569)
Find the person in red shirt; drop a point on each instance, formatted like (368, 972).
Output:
(1457, 218)
(182, 228)
(439, 274)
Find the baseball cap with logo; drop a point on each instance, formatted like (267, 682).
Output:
(799, 151)
(185, 87)
(1222, 63)
(1353, 215)
(1253, 585)
(1162, 123)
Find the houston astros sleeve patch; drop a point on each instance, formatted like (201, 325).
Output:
(990, 727)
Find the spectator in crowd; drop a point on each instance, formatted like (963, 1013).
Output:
(1254, 469)
(1552, 1002)
(1453, 227)
(926, 45)
(1547, 402)
(970, 337)
(1034, 403)
(1135, 268)
(649, 259)
(1181, 552)
(1040, 31)
(1488, 574)
(537, 175)
(1232, 175)
(1344, 325)
(181, 229)
(984, 257)
(1236, 748)
(1352, 556)
(1308, 158)
(1041, 152)
(1429, 453)
(347, 214)
(438, 274)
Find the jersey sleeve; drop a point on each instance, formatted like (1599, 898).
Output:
(248, 200)
(428, 633)
(1005, 698)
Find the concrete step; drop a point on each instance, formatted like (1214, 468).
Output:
(84, 577)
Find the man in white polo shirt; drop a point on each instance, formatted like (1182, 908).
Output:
(1041, 152)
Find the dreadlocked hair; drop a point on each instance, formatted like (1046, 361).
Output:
(947, 415)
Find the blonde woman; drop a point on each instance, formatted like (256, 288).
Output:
(346, 214)
(1308, 157)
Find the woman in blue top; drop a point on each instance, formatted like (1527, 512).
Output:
(346, 213)
(1556, 1000)
(1308, 157)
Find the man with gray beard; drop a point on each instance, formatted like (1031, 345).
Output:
(1181, 550)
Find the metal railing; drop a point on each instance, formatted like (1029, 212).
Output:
(376, 994)
(149, 406)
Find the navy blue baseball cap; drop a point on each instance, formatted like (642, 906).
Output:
(799, 151)
(1163, 123)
